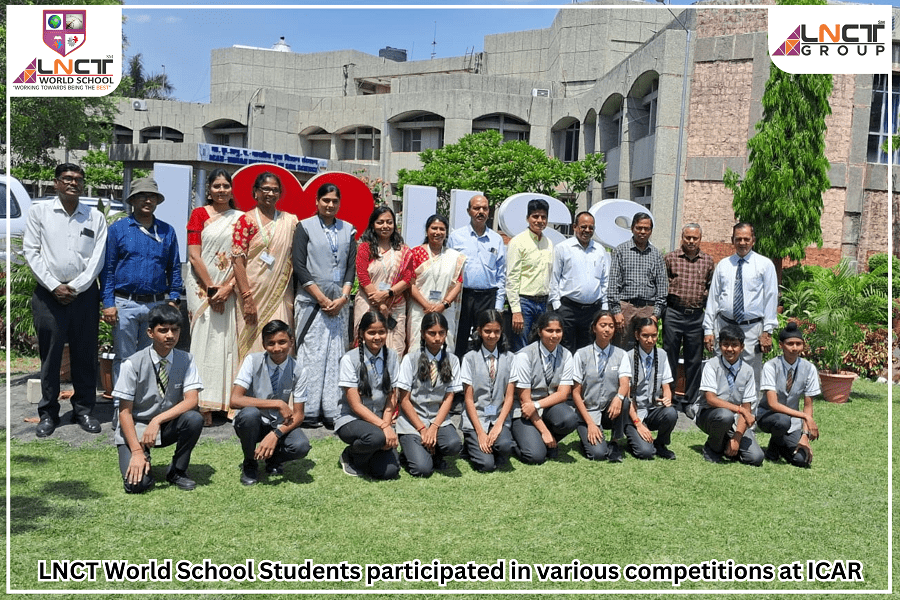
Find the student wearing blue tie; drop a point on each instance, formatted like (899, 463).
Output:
(725, 404)
(266, 423)
(787, 379)
(543, 371)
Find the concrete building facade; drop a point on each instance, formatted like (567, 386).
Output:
(669, 96)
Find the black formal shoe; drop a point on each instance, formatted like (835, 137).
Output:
(180, 480)
(615, 453)
(46, 427)
(711, 455)
(329, 423)
(553, 453)
(772, 452)
(88, 423)
(274, 469)
(311, 423)
(249, 473)
(664, 452)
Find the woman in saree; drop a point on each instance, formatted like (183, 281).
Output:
(437, 280)
(384, 273)
(210, 293)
(261, 253)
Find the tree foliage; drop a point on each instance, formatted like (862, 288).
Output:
(781, 193)
(138, 83)
(484, 162)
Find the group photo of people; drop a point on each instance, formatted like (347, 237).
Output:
(462, 345)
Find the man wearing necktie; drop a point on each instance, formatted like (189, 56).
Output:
(743, 292)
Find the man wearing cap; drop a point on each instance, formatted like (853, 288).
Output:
(142, 269)
(64, 242)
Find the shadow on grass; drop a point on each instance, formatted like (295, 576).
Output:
(25, 459)
(28, 511)
(295, 472)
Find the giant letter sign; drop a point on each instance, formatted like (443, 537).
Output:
(607, 212)
(513, 213)
(419, 203)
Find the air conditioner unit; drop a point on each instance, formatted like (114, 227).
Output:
(540, 92)
(139, 104)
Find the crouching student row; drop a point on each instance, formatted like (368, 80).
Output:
(520, 404)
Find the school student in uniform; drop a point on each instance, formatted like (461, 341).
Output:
(488, 392)
(262, 395)
(651, 396)
(158, 390)
(785, 380)
(725, 404)
(368, 405)
(429, 376)
(543, 374)
(600, 393)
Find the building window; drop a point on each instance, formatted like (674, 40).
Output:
(570, 144)
(412, 140)
(511, 128)
(610, 192)
(649, 103)
(643, 192)
(883, 104)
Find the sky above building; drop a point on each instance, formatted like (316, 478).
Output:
(177, 38)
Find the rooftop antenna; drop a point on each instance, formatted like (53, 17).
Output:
(434, 42)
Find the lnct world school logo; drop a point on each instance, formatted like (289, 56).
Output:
(65, 31)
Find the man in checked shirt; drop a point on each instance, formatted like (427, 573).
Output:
(637, 281)
(690, 271)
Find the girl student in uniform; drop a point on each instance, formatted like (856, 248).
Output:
(601, 388)
(488, 391)
(651, 396)
(543, 374)
(429, 376)
(368, 404)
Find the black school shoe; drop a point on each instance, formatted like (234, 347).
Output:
(249, 473)
(664, 452)
(180, 480)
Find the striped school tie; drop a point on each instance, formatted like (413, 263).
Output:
(738, 310)
(162, 375)
(790, 379)
(275, 379)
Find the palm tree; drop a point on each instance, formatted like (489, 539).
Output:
(147, 85)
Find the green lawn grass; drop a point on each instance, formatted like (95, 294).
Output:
(69, 504)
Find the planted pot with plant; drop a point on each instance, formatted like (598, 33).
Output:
(838, 302)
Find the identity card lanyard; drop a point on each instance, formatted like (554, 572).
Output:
(154, 234)
(337, 275)
(265, 256)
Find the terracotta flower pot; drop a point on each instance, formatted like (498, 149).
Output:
(836, 386)
(106, 374)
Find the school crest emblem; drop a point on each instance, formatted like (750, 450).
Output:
(65, 30)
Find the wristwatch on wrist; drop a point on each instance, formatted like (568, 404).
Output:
(537, 405)
(620, 396)
(445, 303)
(390, 292)
(278, 433)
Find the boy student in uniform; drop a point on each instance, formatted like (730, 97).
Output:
(725, 403)
(429, 376)
(601, 390)
(651, 395)
(261, 394)
(543, 374)
(368, 405)
(488, 391)
(157, 390)
(785, 380)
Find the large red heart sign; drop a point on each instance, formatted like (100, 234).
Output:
(357, 202)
